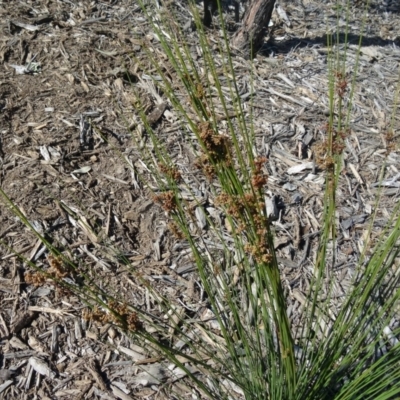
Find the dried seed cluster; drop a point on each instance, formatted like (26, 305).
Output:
(57, 267)
(118, 315)
(259, 178)
(216, 149)
(320, 154)
(58, 270)
(203, 163)
(323, 155)
(390, 141)
(338, 140)
(341, 84)
(171, 172)
(249, 209)
(176, 231)
(167, 200)
(36, 278)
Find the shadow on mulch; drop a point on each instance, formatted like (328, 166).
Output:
(286, 46)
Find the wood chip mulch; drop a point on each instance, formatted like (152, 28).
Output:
(67, 113)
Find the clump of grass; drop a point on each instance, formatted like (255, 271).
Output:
(253, 352)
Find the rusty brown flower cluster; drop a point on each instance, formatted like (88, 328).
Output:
(341, 84)
(324, 153)
(170, 171)
(259, 178)
(175, 229)
(390, 141)
(166, 200)
(118, 314)
(58, 270)
(216, 149)
(248, 209)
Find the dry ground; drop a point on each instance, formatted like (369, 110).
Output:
(58, 173)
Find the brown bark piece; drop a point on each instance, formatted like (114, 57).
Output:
(23, 321)
(249, 38)
(93, 369)
(156, 114)
(210, 7)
